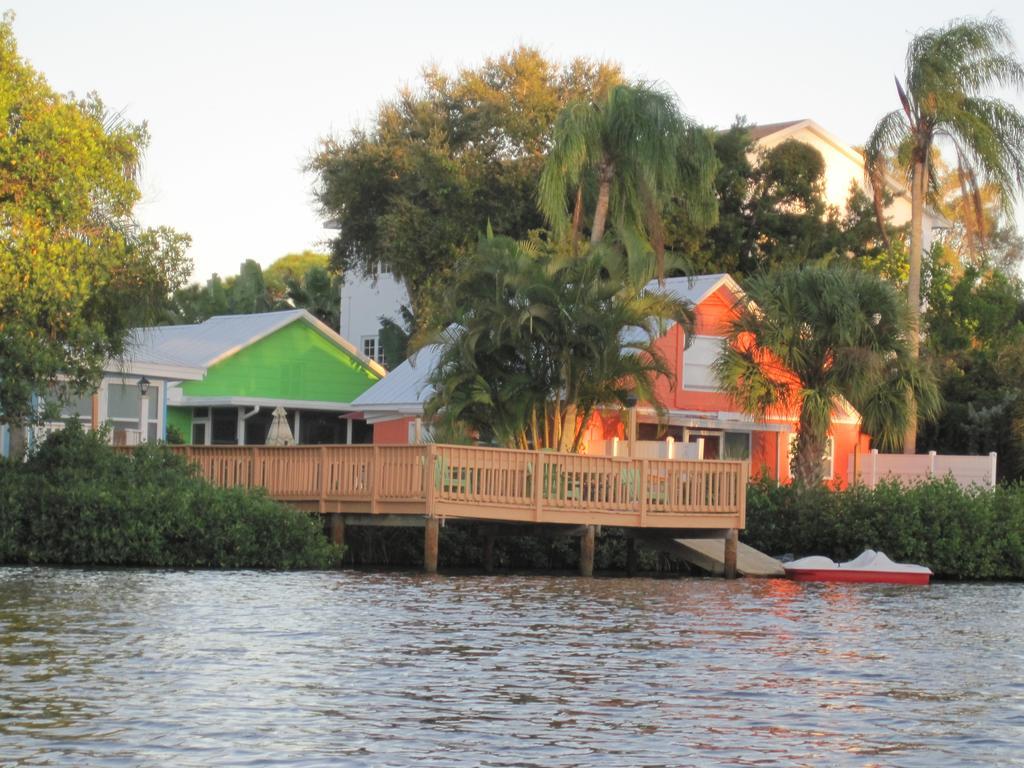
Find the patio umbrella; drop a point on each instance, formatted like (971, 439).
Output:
(280, 433)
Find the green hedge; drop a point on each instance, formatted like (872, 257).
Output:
(960, 534)
(78, 502)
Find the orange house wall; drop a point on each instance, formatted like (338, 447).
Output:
(394, 432)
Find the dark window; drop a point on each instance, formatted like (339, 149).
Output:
(321, 428)
(362, 433)
(225, 426)
(200, 413)
(658, 432)
(198, 434)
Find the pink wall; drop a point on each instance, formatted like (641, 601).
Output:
(394, 432)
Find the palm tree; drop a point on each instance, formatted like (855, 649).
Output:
(543, 338)
(636, 151)
(809, 338)
(949, 71)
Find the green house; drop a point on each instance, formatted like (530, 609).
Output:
(254, 364)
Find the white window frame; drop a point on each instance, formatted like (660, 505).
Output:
(155, 391)
(709, 385)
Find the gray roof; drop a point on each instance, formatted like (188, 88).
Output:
(697, 288)
(405, 387)
(205, 344)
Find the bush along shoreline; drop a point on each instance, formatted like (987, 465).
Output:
(76, 501)
(975, 533)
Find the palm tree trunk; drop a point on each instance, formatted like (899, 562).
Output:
(568, 430)
(604, 192)
(810, 447)
(918, 188)
(577, 219)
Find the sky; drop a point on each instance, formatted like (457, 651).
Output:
(237, 94)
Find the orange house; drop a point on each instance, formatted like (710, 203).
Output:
(698, 417)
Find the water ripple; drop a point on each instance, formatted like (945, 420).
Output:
(128, 668)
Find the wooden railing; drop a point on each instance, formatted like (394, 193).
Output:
(493, 483)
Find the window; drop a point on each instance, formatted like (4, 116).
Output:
(370, 347)
(124, 404)
(736, 445)
(224, 428)
(827, 458)
(697, 361)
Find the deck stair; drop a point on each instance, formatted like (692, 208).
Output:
(709, 554)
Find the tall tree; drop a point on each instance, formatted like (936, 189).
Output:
(632, 153)
(810, 337)
(76, 271)
(543, 337)
(417, 188)
(944, 98)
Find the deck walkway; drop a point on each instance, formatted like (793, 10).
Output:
(428, 483)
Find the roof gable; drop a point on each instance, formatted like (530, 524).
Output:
(293, 362)
(205, 344)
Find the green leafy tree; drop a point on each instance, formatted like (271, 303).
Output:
(812, 337)
(944, 97)
(76, 272)
(542, 338)
(975, 334)
(633, 153)
(292, 266)
(416, 189)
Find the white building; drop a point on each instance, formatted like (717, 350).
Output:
(364, 301)
(844, 166)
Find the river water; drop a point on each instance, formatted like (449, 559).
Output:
(125, 668)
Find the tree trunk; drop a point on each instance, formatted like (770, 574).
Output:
(810, 447)
(604, 192)
(568, 431)
(918, 189)
(577, 219)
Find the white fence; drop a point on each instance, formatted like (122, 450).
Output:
(668, 448)
(872, 468)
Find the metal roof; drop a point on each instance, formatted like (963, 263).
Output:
(405, 389)
(205, 344)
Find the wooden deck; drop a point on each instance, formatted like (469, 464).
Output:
(447, 481)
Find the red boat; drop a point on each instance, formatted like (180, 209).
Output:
(869, 567)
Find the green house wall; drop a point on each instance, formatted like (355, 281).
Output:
(294, 363)
(181, 420)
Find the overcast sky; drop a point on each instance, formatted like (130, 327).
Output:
(237, 93)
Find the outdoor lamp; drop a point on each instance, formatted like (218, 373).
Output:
(631, 400)
(143, 386)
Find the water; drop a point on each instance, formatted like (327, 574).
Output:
(125, 668)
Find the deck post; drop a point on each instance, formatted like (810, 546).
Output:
(431, 531)
(587, 545)
(630, 556)
(489, 553)
(732, 540)
(338, 529)
(538, 485)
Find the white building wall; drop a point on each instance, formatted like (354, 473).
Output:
(844, 166)
(364, 301)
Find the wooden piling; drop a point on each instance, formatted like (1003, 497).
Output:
(431, 532)
(488, 553)
(338, 529)
(732, 539)
(587, 543)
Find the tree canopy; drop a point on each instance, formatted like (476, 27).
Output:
(76, 271)
(945, 98)
(543, 336)
(417, 189)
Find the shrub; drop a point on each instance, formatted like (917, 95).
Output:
(959, 533)
(78, 502)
